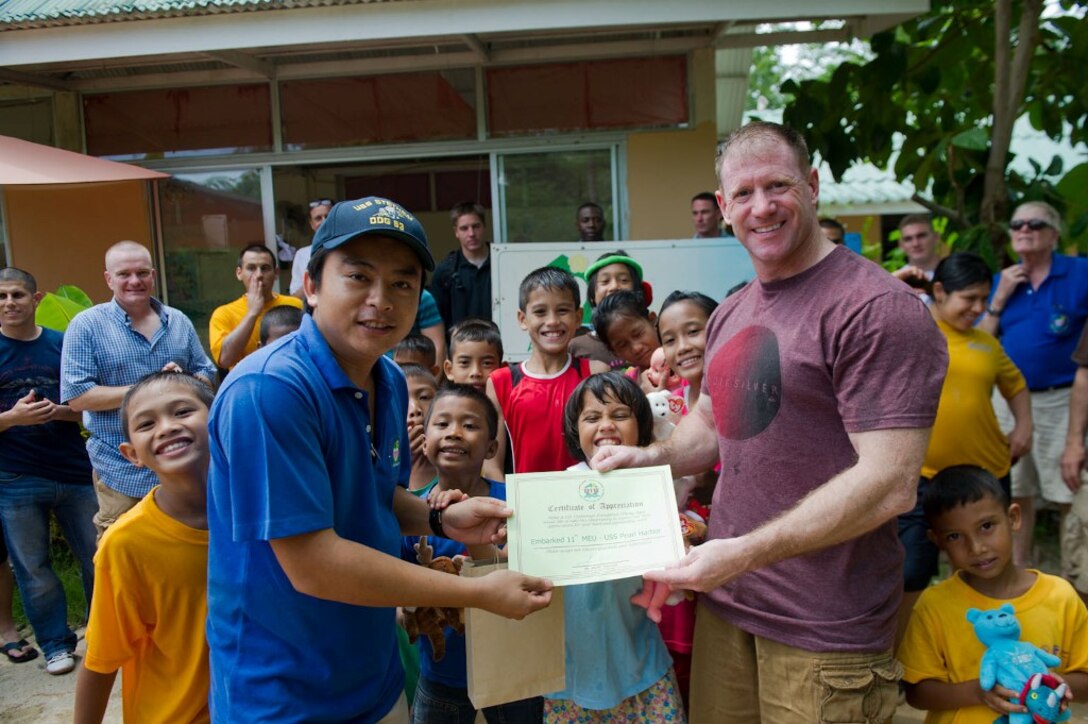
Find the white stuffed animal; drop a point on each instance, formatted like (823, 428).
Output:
(666, 408)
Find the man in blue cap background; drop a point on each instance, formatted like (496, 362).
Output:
(307, 495)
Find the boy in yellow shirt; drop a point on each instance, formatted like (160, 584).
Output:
(150, 599)
(971, 520)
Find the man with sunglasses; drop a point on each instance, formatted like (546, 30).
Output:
(1039, 307)
(319, 209)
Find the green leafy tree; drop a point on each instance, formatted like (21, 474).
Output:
(810, 61)
(764, 80)
(950, 85)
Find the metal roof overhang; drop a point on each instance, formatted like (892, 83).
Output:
(234, 46)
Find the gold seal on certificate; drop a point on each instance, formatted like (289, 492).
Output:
(581, 526)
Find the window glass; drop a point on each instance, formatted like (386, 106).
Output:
(378, 109)
(207, 219)
(541, 193)
(165, 123)
(589, 95)
(31, 120)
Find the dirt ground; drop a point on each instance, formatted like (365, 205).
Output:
(28, 694)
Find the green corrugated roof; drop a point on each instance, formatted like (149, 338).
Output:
(41, 13)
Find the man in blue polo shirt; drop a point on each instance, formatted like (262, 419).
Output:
(1039, 307)
(307, 496)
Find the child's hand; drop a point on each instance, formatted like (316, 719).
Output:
(651, 381)
(652, 598)
(998, 699)
(416, 440)
(476, 520)
(446, 498)
(1067, 697)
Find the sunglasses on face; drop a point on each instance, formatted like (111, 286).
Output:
(1033, 224)
(320, 202)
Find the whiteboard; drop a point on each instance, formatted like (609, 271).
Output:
(710, 266)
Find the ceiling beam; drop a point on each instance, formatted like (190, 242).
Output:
(722, 29)
(395, 64)
(245, 61)
(869, 25)
(477, 47)
(786, 37)
(32, 79)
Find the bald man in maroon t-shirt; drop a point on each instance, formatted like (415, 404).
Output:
(821, 384)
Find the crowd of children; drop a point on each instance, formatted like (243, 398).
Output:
(471, 420)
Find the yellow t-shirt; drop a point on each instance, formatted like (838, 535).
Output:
(227, 317)
(940, 642)
(966, 431)
(148, 612)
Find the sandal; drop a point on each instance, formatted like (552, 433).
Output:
(15, 653)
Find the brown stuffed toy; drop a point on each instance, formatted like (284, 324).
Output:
(431, 620)
(692, 530)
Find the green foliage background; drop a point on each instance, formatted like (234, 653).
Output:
(929, 87)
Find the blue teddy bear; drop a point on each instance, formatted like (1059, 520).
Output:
(1008, 661)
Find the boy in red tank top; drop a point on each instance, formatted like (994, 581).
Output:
(530, 396)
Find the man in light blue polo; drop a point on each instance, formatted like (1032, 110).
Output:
(308, 500)
(107, 349)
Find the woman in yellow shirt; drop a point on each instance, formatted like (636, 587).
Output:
(966, 430)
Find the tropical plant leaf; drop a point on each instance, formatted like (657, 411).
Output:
(55, 312)
(974, 139)
(77, 295)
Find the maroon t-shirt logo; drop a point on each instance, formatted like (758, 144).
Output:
(745, 383)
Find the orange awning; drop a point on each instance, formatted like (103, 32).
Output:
(23, 163)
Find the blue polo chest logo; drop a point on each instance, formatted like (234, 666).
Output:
(1059, 322)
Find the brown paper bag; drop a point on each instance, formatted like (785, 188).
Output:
(512, 660)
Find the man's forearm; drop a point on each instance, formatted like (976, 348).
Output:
(693, 446)
(989, 323)
(881, 485)
(99, 399)
(67, 414)
(412, 512)
(233, 348)
(1078, 407)
(324, 565)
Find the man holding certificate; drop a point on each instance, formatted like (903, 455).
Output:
(821, 428)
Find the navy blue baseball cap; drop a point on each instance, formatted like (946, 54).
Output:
(374, 215)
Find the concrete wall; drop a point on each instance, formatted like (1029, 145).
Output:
(666, 168)
(60, 233)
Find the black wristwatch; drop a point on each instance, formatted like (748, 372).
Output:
(435, 520)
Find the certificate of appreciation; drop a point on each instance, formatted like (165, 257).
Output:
(581, 526)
